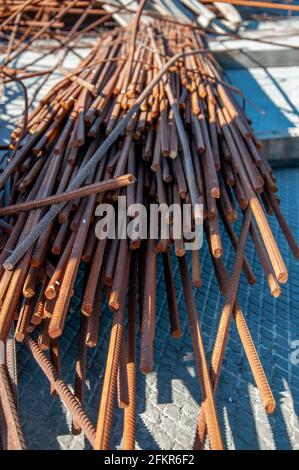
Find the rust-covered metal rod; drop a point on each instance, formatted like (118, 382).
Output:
(129, 433)
(208, 401)
(10, 411)
(105, 415)
(62, 390)
(103, 186)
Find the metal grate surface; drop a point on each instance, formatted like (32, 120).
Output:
(167, 399)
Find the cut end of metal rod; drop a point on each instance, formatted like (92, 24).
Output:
(55, 332)
(135, 244)
(50, 292)
(56, 250)
(146, 368)
(283, 277)
(276, 292)
(123, 404)
(86, 309)
(132, 178)
(19, 337)
(252, 280)
(28, 293)
(180, 252)
(176, 333)
(35, 320)
(76, 430)
(90, 343)
(114, 305)
(215, 192)
(108, 281)
(8, 266)
(217, 253)
(270, 407)
(197, 284)
(35, 263)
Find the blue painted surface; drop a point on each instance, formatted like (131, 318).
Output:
(273, 103)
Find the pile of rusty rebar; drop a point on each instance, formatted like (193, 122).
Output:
(49, 27)
(59, 16)
(147, 115)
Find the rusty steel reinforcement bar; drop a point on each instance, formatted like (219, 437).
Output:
(62, 390)
(103, 186)
(10, 412)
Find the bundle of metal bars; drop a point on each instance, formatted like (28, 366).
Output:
(28, 21)
(157, 108)
(34, 15)
(47, 27)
